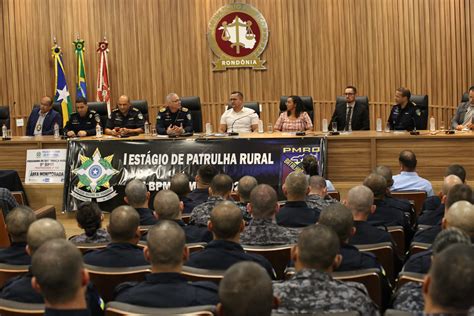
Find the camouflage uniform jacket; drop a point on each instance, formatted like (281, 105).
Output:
(202, 213)
(409, 298)
(100, 236)
(315, 201)
(264, 232)
(310, 291)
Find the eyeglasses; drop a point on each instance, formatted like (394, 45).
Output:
(349, 93)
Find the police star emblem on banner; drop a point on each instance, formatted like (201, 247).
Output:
(96, 172)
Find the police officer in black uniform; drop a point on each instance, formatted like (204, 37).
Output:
(173, 119)
(82, 122)
(125, 119)
(404, 114)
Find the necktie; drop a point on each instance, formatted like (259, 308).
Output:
(348, 118)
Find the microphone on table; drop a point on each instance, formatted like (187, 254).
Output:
(414, 131)
(232, 133)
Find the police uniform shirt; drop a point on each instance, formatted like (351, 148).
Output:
(134, 119)
(264, 232)
(117, 255)
(385, 215)
(366, 233)
(432, 217)
(199, 196)
(146, 216)
(419, 263)
(15, 254)
(403, 119)
(297, 214)
(87, 123)
(167, 290)
(166, 119)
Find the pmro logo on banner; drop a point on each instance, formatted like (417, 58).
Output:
(238, 34)
(94, 174)
(292, 156)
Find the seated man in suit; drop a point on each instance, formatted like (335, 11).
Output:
(403, 115)
(203, 178)
(64, 286)
(42, 119)
(246, 289)
(174, 119)
(238, 118)
(312, 289)
(262, 230)
(82, 122)
(295, 212)
(226, 224)
(464, 117)
(137, 196)
(168, 207)
(125, 120)
(18, 221)
(351, 115)
(123, 250)
(165, 286)
(408, 179)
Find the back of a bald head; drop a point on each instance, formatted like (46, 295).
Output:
(226, 219)
(246, 289)
(167, 205)
(317, 183)
(459, 192)
(57, 267)
(263, 200)
(318, 245)
(245, 187)
(296, 184)
(339, 218)
(377, 184)
(221, 184)
(166, 241)
(179, 184)
(360, 199)
(385, 172)
(461, 215)
(449, 182)
(123, 223)
(136, 193)
(18, 221)
(42, 230)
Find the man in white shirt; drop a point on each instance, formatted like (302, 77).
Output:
(238, 118)
(408, 179)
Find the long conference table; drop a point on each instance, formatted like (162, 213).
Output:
(350, 157)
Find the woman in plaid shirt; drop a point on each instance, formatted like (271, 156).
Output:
(294, 119)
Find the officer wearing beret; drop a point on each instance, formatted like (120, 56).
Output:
(125, 119)
(174, 119)
(82, 122)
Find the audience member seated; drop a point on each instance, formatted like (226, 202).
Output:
(459, 192)
(401, 204)
(245, 186)
(89, 217)
(246, 289)
(294, 119)
(459, 215)
(7, 201)
(360, 200)
(409, 296)
(42, 119)
(295, 212)
(18, 221)
(179, 184)
(226, 224)
(263, 231)
(125, 234)
(318, 195)
(450, 293)
(165, 286)
(20, 288)
(138, 197)
(125, 120)
(384, 214)
(408, 179)
(312, 289)
(168, 207)
(203, 178)
(433, 217)
(433, 202)
(310, 166)
(64, 286)
(220, 189)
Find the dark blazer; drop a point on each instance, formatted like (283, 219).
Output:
(48, 123)
(360, 116)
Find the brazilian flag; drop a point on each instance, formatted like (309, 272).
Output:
(81, 69)
(62, 93)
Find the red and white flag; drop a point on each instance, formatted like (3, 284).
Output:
(103, 88)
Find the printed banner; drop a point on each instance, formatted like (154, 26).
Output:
(45, 166)
(99, 170)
